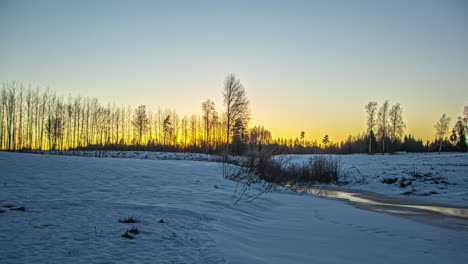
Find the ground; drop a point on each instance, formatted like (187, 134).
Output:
(73, 204)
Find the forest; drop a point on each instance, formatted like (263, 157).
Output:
(39, 119)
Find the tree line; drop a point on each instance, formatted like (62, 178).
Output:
(385, 130)
(36, 118)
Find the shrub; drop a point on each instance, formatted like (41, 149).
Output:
(321, 169)
(389, 180)
(134, 230)
(127, 235)
(318, 169)
(129, 220)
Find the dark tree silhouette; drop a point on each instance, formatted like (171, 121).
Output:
(167, 128)
(371, 109)
(442, 127)
(208, 116)
(236, 104)
(326, 140)
(459, 133)
(397, 125)
(382, 118)
(140, 122)
(239, 136)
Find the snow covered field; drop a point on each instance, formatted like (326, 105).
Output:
(134, 154)
(73, 204)
(428, 176)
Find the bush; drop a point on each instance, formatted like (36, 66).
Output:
(134, 230)
(129, 220)
(322, 169)
(127, 235)
(318, 169)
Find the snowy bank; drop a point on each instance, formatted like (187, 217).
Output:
(428, 176)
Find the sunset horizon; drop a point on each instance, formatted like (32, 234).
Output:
(290, 127)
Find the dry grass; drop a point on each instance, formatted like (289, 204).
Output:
(317, 169)
(127, 235)
(129, 220)
(134, 230)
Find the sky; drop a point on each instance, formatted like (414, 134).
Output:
(306, 65)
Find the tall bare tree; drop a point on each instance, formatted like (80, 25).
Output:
(442, 127)
(236, 104)
(371, 109)
(140, 122)
(260, 135)
(397, 125)
(382, 117)
(184, 125)
(193, 129)
(208, 111)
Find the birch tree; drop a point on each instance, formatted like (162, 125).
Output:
(140, 122)
(371, 109)
(383, 124)
(442, 127)
(397, 125)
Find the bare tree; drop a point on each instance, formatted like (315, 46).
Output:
(214, 128)
(397, 125)
(236, 103)
(193, 129)
(175, 128)
(371, 109)
(259, 135)
(442, 127)
(383, 124)
(140, 122)
(10, 106)
(3, 117)
(167, 128)
(184, 124)
(465, 117)
(208, 112)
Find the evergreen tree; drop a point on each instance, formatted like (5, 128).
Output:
(239, 137)
(461, 137)
(326, 140)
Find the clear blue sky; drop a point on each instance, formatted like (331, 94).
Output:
(307, 65)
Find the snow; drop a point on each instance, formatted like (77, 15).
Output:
(73, 205)
(133, 154)
(439, 178)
